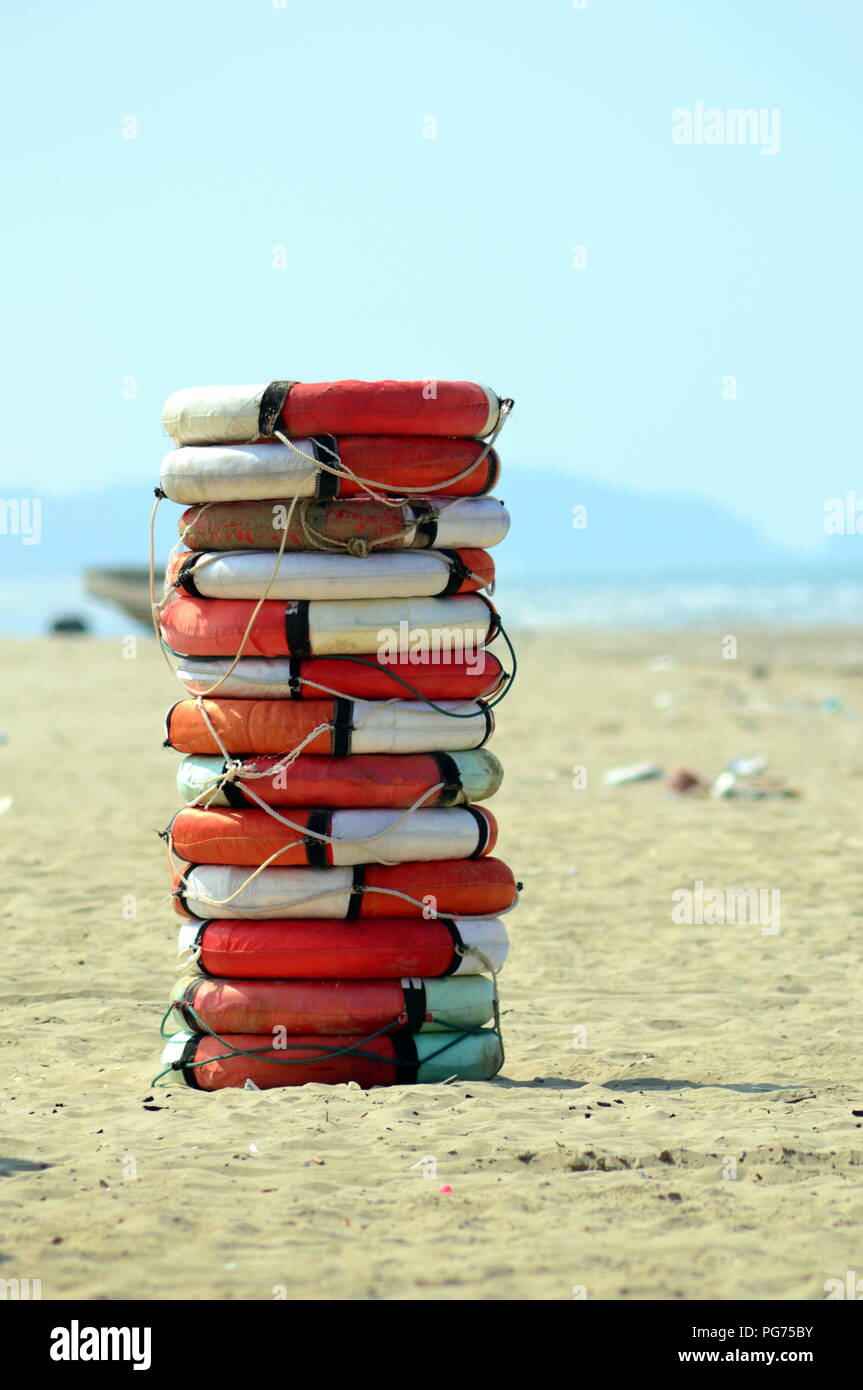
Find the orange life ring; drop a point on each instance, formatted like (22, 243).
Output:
(360, 726)
(442, 888)
(250, 836)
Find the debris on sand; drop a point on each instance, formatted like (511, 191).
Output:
(684, 780)
(635, 772)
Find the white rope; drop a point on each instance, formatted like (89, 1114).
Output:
(199, 512)
(157, 609)
(495, 998)
(369, 485)
(342, 470)
(287, 758)
(364, 842)
(430, 913)
(235, 766)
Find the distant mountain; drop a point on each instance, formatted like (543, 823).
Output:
(626, 532)
(567, 525)
(88, 529)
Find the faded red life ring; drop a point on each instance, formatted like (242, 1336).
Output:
(321, 949)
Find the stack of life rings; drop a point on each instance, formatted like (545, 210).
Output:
(327, 612)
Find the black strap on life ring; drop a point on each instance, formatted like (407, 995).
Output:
(458, 572)
(414, 995)
(484, 831)
(180, 890)
(355, 901)
(234, 795)
(199, 938)
(494, 625)
(186, 577)
(425, 523)
(324, 446)
(319, 820)
(489, 723)
(343, 727)
(492, 472)
(167, 740)
(297, 627)
(272, 404)
(450, 775)
(458, 945)
(295, 668)
(187, 1056)
(407, 1061)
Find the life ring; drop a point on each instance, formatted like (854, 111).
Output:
(261, 472)
(361, 780)
(361, 1007)
(295, 678)
(443, 888)
(456, 627)
(402, 1058)
(316, 949)
(347, 726)
(447, 523)
(249, 836)
(315, 575)
(214, 414)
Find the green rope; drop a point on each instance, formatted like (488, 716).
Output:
(169, 1010)
(190, 1012)
(354, 1050)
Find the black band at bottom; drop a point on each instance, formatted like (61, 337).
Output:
(297, 627)
(457, 944)
(355, 901)
(407, 1061)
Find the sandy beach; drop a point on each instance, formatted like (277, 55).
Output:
(679, 1115)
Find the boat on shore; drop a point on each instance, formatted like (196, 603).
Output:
(127, 587)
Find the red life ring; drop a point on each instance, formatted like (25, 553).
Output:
(364, 779)
(316, 949)
(400, 1058)
(326, 1007)
(299, 409)
(316, 678)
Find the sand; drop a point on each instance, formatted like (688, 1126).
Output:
(679, 1115)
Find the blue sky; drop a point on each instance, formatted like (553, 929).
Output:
(303, 127)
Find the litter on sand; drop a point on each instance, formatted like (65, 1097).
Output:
(635, 772)
(683, 780)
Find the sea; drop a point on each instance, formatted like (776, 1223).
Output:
(800, 600)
